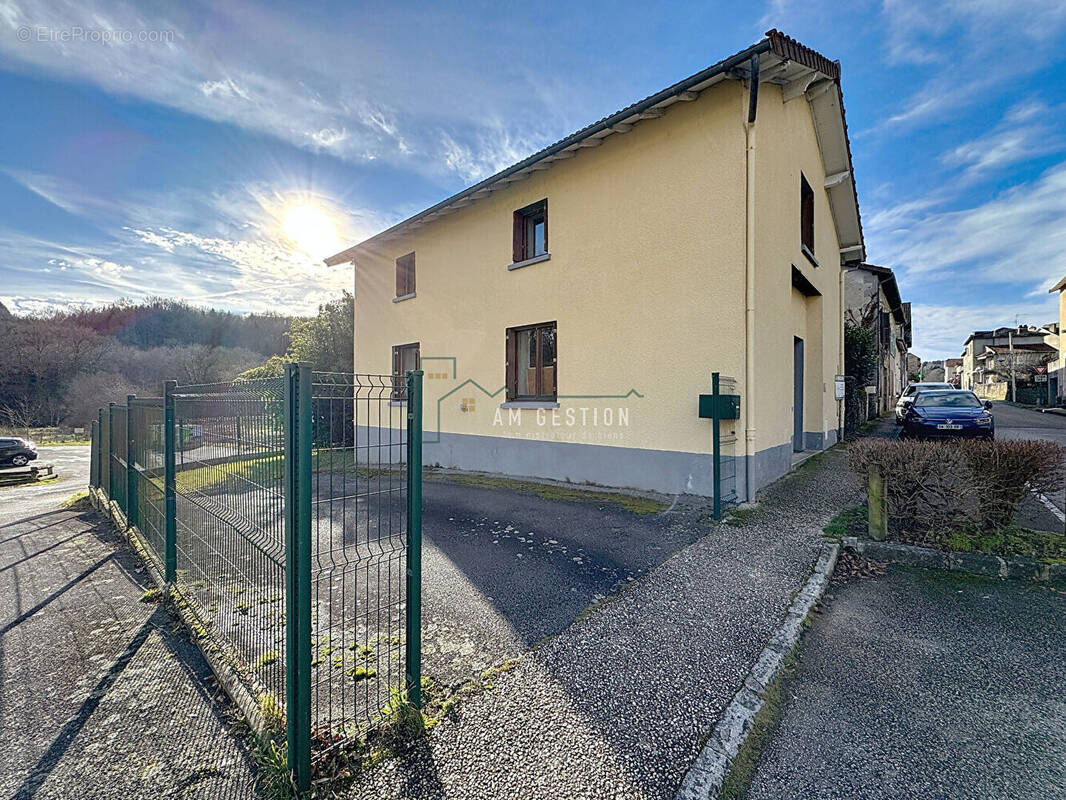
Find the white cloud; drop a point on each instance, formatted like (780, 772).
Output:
(940, 330)
(360, 89)
(1016, 240)
(968, 41)
(1025, 133)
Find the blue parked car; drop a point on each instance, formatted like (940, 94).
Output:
(951, 414)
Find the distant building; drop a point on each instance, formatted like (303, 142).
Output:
(953, 371)
(872, 300)
(1027, 353)
(934, 371)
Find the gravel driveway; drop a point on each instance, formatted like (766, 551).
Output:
(922, 683)
(616, 705)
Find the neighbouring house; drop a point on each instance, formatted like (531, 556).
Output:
(953, 371)
(914, 367)
(1018, 372)
(990, 378)
(569, 310)
(934, 371)
(872, 301)
(1057, 369)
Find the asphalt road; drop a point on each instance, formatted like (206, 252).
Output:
(101, 696)
(1015, 422)
(71, 464)
(920, 683)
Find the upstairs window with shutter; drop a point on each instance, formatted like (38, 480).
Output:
(405, 357)
(405, 275)
(530, 232)
(807, 219)
(531, 362)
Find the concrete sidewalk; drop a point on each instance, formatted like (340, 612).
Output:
(921, 683)
(102, 696)
(618, 704)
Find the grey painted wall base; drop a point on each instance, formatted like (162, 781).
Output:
(666, 471)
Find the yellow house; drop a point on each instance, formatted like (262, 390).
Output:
(569, 310)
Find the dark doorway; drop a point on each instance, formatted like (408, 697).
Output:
(797, 394)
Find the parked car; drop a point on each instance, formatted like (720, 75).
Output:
(907, 397)
(943, 414)
(15, 452)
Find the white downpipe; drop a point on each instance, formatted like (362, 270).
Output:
(749, 308)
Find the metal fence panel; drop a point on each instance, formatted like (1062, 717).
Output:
(283, 513)
(229, 524)
(144, 418)
(359, 550)
(117, 471)
(94, 455)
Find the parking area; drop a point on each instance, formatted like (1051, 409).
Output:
(504, 567)
(922, 683)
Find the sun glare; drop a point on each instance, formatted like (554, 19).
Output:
(309, 228)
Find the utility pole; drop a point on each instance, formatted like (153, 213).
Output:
(1013, 382)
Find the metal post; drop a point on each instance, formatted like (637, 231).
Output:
(878, 505)
(170, 505)
(298, 569)
(110, 452)
(131, 473)
(413, 648)
(716, 427)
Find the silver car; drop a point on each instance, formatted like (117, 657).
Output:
(905, 399)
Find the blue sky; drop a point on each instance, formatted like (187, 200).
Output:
(160, 149)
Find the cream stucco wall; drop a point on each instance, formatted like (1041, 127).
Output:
(646, 283)
(787, 146)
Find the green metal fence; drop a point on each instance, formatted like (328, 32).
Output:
(283, 516)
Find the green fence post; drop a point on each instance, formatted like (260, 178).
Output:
(413, 649)
(716, 446)
(878, 505)
(131, 473)
(298, 570)
(170, 506)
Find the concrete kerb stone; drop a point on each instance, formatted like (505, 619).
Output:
(707, 774)
(1016, 568)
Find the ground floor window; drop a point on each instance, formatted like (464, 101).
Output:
(405, 357)
(531, 362)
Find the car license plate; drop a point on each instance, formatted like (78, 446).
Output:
(949, 427)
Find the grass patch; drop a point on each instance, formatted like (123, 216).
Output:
(153, 595)
(69, 442)
(1012, 541)
(740, 516)
(79, 501)
(566, 494)
(852, 521)
(737, 782)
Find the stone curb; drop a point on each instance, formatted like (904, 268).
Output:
(706, 776)
(1016, 568)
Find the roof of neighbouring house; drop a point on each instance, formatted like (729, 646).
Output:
(899, 309)
(1029, 347)
(1058, 287)
(777, 58)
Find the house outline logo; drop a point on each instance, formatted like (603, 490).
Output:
(491, 395)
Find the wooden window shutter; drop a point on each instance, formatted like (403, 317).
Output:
(397, 374)
(405, 275)
(806, 213)
(518, 244)
(512, 364)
